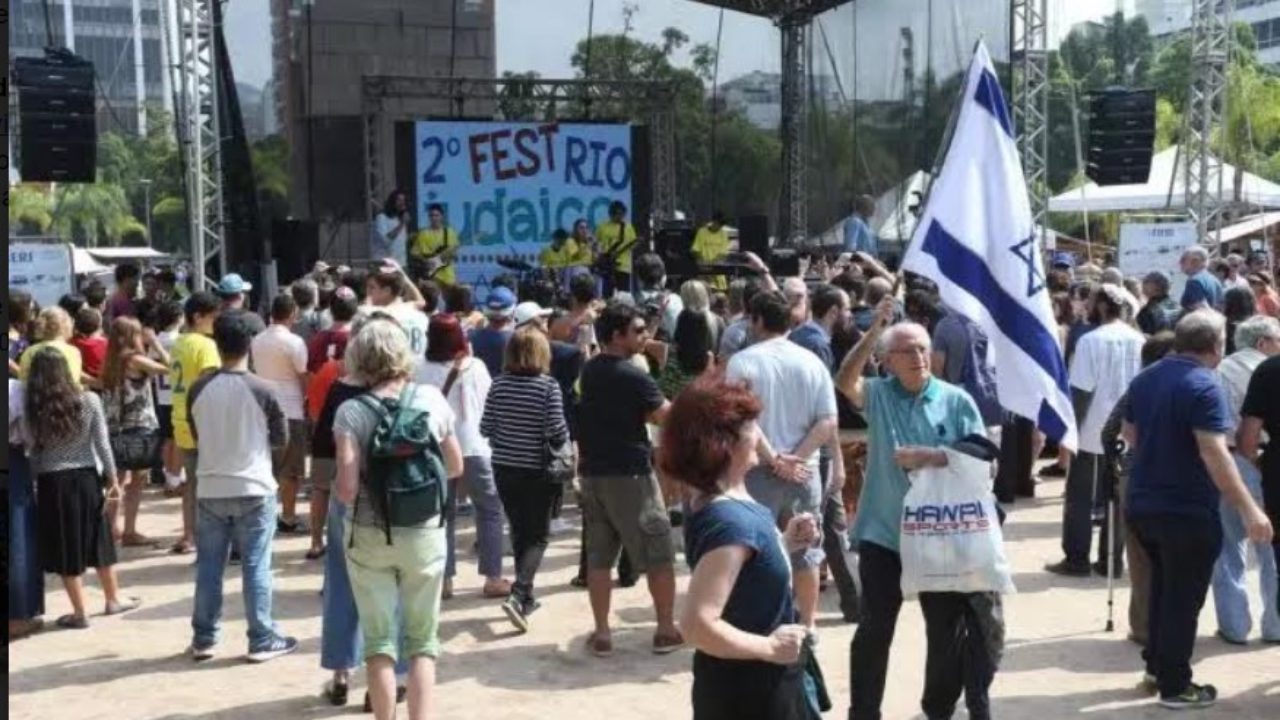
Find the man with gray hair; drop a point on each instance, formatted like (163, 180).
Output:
(1177, 422)
(1161, 311)
(1257, 338)
(1203, 289)
(1235, 272)
(910, 414)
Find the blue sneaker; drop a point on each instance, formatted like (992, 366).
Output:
(274, 649)
(1195, 697)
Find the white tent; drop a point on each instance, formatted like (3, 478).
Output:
(894, 221)
(1155, 193)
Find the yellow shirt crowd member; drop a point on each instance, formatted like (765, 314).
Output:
(711, 246)
(429, 242)
(570, 254)
(613, 236)
(193, 355)
(68, 351)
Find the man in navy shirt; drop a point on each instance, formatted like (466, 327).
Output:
(490, 342)
(1203, 288)
(1176, 422)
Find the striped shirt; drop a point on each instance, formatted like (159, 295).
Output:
(521, 414)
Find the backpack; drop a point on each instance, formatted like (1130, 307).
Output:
(404, 468)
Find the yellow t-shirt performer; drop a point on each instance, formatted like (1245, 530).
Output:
(435, 247)
(194, 354)
(564, 252)
(711, 245)
(616, 239)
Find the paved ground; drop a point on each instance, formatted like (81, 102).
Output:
(1059, 663)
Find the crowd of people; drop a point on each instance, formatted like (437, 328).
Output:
(722, 409)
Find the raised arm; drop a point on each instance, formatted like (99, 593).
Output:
(849, 378)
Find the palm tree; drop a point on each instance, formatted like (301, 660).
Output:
(93, 213)
(29, 209)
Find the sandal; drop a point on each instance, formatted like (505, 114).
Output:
(315, 553)
(500, 589)
(402, 692)
(121, 608)
(601, 647)
(27, 629)
(336, 693)
(136, 540)
(72, 622)
(182, 547)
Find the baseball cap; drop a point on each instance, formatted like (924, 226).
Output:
(320, 267)
(501, 301)
(232, 284)
(529, 311)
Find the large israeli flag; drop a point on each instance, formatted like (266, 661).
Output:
(976, 240)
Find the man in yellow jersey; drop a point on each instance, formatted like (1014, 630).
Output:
(435, 247)
(564, 253)
(711, 245)
(616, 239)
(194, 354)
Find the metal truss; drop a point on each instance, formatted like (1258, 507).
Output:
(1210, 51)
(1030, 56)
(793, 223)
(528, 99)
(200, 136)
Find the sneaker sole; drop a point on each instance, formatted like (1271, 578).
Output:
(1174, 705)
(521, 622)
(202, 655)
(261, 657)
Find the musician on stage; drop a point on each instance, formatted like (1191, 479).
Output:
(435, 247)
(565, 252)
(391, 228)
(711, 245)
(582, 236)
(616, 239)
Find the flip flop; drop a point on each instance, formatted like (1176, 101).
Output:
(137, 540)
(72, 622)
(315, 554)
(121, 608)
(28, 628)
(181, 548)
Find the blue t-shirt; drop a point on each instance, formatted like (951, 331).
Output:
(1203, 287)
(761, 597)
(813, 337)
(937, 416)
(1168, 402)
(858, 236)
(489, 345)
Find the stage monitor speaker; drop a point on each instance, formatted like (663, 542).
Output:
(296, 247)
(1122, 130)
(673, 242)
(753, 235)
(58, 133)
(784, 262)
(337, 167)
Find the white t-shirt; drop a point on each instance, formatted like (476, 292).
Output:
(164, 391)
(794, 388)
(280, 358)
(413, 321)
(1106, 360)
(388, 245)
(466, 398)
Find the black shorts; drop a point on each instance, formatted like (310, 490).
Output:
(164, 413)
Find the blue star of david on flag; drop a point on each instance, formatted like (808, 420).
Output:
(1026, 252)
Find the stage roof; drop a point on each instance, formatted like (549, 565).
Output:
(776, 8)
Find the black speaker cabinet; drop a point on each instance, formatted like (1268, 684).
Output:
(56, 121)
(753, 235)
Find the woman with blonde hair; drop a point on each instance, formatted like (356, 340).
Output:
(392, 566)
(53, 328)
(129, 400)
(523, 418)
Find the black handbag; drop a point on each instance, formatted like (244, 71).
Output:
(134, 448)
(559, 459)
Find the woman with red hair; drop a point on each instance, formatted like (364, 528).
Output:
(738, 614)
(464, 381)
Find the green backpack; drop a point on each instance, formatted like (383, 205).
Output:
(404, 469)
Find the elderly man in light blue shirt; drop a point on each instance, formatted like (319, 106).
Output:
(910, 415)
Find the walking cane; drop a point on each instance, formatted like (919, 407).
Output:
(1111, 560)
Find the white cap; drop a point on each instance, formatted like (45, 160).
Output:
(529, 311)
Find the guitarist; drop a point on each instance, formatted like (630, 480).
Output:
(435, 247)
(616, 238)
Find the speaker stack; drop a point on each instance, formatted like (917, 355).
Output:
(59, 133)
(1122, 132)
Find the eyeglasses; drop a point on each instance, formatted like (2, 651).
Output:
(913, 350)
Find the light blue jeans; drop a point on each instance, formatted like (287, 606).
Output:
(341, 644)
(1230, 599)
(478, 475)
(250, 523)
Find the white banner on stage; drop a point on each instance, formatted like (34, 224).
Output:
(1148, 247)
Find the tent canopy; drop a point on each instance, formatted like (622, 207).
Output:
(894, 221)
(1155, 193)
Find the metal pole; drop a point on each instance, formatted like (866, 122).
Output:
(1075, 128)
(146, 194)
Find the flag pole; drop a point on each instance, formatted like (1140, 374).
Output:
(947, 136)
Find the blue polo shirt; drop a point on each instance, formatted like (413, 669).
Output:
(938, 415)
(1168, 403)
(1202, 287)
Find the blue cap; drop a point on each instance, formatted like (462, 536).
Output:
(1064, 259)
(232, 284)
(500, 300)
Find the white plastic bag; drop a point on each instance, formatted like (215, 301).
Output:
(950, 532)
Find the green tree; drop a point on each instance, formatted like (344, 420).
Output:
(93, 214)
(30, 210)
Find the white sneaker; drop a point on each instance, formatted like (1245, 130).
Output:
(174, 481)
(559, 526)
(202, 652)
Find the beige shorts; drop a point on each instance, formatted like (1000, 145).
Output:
(290, 461)
(626, 511)
(323, 472)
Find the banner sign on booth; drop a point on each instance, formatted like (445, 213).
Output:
(42, 270)
(506, 186)
(1147, 247)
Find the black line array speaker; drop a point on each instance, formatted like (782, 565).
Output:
(58, 129)
(1122, 132)
(673, 242)
(338, 167)
(753, 235)
(296, 247)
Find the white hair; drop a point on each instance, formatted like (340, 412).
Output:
(1200, 332)
(893, 332)
(1255, 329)
(1197, 252)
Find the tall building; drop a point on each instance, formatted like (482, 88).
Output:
(123, 40)
(1169, 17)
(321, 54)
(758, 96)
